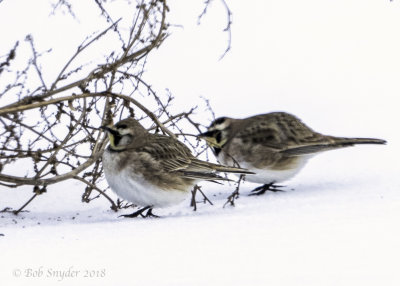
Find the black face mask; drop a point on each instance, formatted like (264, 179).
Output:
(216, 150)
(217, 134)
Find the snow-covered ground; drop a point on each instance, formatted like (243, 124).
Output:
(339, 226)
(336, 66)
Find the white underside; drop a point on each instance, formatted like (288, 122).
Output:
(268, 176)
(135, 189)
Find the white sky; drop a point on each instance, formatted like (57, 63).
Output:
(335, 64)
(317, 59)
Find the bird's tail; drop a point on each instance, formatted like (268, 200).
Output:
(330, 144)
(212, 177)
(228, 169)
(197, 167)
(352, 141)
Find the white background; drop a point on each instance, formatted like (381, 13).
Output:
(335, 64)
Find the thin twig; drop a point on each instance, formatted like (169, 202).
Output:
(80, 49)
(16, 212)
(114, 207)
(235, 194)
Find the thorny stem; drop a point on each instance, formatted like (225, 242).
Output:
(193, 202)
(105, 89)
(33, 181)
(227, 29)
(24, 205)
(114, 207)
(235, 194)
(80, 49)
(85, 95)
(104, 69)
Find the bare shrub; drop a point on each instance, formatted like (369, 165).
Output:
(49, 128)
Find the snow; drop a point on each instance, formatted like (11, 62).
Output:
(335, 65)
(339, 226)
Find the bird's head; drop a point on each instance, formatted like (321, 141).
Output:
(123, 133)
(217, 133)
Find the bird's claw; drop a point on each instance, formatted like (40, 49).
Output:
(140, 213)
(267, 187)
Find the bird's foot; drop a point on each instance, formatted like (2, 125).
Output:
(271, 187)
(140, 213)
(193, 202)
(150, 214)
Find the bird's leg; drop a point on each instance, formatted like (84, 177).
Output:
(138, 212)
(264, 188)
(193, 202)
(235, 195)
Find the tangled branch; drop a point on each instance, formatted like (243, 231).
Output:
(227, 29)
(49, 129)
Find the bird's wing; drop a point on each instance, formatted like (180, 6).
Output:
(174, 156)
(277, 132)
(312, 148)
(171, 153)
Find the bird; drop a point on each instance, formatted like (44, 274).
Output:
(275, 146)
(153, 170)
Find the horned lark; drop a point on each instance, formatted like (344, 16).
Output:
(275, 146)
(152, 170)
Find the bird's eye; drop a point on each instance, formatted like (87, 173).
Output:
(219, 121)
(122, 126)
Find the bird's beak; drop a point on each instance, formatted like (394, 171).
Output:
(209, 136)
(113, 135)
(110, 130)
